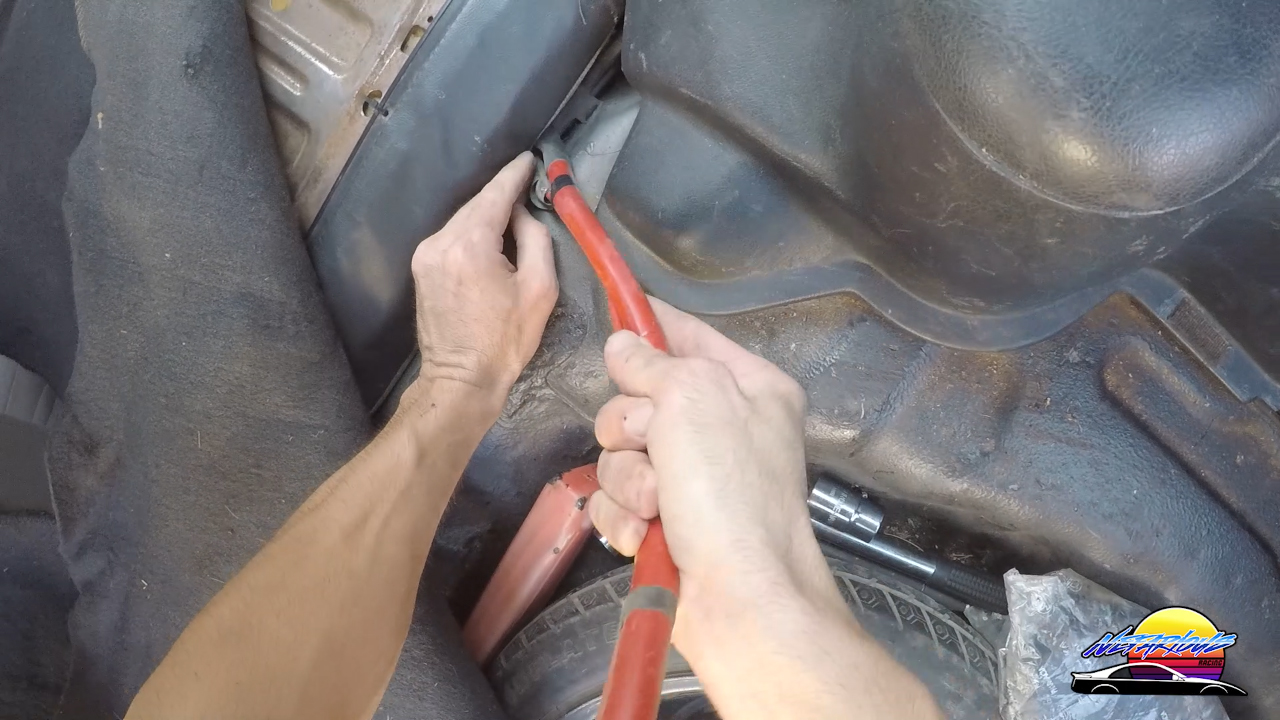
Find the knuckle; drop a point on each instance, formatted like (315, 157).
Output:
(646, 490)
(425, 256)
(596, 511)
(546, 290)
(702, 374)
(676, 391)
(791, 393)
(717, 372)
(456, 254)
(605, 466)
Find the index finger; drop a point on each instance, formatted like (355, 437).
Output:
(490, 209)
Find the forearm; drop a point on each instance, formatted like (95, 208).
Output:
(776, 640)
(313, 625)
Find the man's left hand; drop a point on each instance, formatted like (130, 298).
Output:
(480, 319)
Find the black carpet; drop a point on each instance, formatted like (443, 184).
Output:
(45, 81)
(209, 394)
(35, 596)
(157, 279)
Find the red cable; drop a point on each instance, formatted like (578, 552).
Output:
(634, 685)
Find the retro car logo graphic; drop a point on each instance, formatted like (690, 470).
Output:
(1174, 651)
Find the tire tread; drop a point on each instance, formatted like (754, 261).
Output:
(533, 655)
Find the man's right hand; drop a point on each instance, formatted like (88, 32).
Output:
(711, 438)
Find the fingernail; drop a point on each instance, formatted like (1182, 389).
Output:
(620, 341)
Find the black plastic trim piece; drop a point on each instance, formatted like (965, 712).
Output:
(480, 89)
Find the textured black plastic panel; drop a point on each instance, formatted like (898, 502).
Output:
(990, 158)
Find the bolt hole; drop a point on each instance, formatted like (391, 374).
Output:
(372, 103)
(430, 18)
(415, 36)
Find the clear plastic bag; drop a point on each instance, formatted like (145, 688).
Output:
(1052, 619)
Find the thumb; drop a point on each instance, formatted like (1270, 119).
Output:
(634, 365)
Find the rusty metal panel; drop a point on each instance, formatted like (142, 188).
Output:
(324, 64)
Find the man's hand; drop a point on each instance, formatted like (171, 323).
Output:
(479, 318)
(711, 438)
(724, 434)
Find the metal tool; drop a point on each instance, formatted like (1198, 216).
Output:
(845, 509)
(847, 519)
